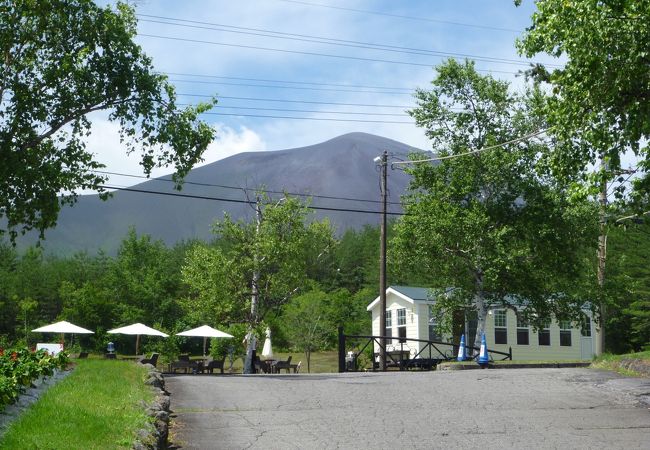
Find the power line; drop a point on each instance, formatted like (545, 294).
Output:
(309, 111)
(472, 152)
(297, 52)
(361, 86)
(325, 119)
(301, 88)
(259, 99)
(230, 200)
(266, 191)
(324, 40)
(400, 16)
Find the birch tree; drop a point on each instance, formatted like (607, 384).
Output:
(261, 264)
(488, 224)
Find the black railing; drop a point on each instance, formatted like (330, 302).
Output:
(427, 358)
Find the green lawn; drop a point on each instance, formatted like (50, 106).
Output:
(96, 407)
(615, 362)
(321, 362)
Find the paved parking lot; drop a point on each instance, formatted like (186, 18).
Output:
(523, 408)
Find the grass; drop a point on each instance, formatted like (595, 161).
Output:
(96, 407)
(321, 362)
(616, 363)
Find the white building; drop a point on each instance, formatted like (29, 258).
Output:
(408, 316)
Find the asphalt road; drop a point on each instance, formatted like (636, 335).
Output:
(519, 408)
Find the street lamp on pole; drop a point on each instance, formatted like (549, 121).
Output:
(383, 164)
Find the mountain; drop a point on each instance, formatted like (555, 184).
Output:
(342, 167)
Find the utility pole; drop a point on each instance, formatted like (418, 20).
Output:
(252, 340)
(382, 258)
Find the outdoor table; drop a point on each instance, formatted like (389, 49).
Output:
(269, 363)
(200, 365)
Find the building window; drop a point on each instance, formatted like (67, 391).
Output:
(565, 333)
(522, 331)
(585, 329)
(401, 317)
(433, 326)
(401, 324)
(500, 327)
(544, 334)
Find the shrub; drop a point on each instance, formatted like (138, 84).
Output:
(18, 368)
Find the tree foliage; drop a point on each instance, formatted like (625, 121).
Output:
(307, 322)
(488, 224)
(280, 249)
(628, 286)
(61, 61)
(601, 93)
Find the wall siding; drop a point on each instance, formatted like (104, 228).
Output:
(533, 351)
(417, 327)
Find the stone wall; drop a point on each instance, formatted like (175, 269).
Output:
(155, 435)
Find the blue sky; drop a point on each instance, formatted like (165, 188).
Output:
(260, 59)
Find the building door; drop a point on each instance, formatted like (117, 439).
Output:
(586, 340)
(471, 324)
(586, 347)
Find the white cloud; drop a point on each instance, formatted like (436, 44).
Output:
(104, 144)
(230, 141)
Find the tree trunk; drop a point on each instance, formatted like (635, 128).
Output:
(481, 310)
(249, 363)
(602, 257)
(308, 356)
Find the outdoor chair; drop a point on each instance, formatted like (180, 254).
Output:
(215, 364)
(184, 363)
(153, 360)
(260, 366)
(279, 365)
(295, 367)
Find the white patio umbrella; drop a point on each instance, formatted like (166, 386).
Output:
(62, 327)
(205, 331)
(138, 329)
(267, 351)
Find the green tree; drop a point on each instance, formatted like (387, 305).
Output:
(601, 92)
(146, 281)
(261, 264)
(27, 306)
(487, 223)
(61, 62)
(307, 322)
(349, 311)
(628, 286)
(600, 106)
(8, 307)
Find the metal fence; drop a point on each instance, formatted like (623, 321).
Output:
(432, 353)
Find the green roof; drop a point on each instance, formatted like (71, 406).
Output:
(416, 293)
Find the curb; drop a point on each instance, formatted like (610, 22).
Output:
(474, 366)
(637, 365)
(155, 435)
